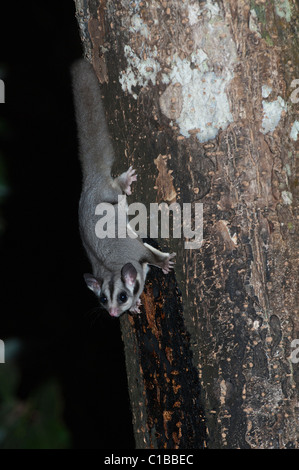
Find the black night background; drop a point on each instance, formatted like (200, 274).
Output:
(63, 384)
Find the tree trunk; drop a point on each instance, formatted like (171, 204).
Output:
(201, 98)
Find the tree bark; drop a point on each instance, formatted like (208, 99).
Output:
(200, 98)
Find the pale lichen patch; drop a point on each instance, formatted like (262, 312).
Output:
(283, 9)
(212, 8)
(205, 105)
(204, 76)
(254, 23)
(200, 60)
(194, 11)
(294, 131)
(266, 91)
(139, 72)
(138, 26)
(287, 197)
(272, 114)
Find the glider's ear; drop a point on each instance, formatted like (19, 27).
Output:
(128, 275)
(93, 284)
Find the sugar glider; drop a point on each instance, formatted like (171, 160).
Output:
(119, 265)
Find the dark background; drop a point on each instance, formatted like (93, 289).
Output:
(64, 381)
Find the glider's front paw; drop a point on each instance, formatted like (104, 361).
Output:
(168, 264)
(135, 309)
(130, 176)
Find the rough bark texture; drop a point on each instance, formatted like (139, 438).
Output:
(199, 99)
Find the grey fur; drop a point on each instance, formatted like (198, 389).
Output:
(119, 265)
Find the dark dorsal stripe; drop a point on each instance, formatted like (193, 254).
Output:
(136, 287)
(111, 288)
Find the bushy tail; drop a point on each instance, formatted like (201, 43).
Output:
(96, 151)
